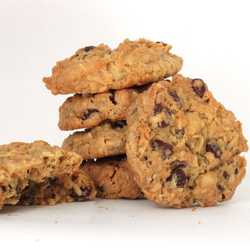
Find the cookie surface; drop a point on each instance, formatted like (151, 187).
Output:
(89, 111)
(112, 178)
(29, 167)
(183, 146)
(98, 69)
(107, 139)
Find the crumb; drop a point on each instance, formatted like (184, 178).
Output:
(193, 209)
(37, 240)
(106, 208)
(55, 221)
(199, 222)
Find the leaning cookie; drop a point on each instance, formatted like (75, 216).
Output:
(81, 111)
(98, 69)
(183, 146)
(107, 139)
(112, 178)
(37, 173)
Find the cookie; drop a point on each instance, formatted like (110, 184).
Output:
(80, 111)
(37, 173)
(112, 178)
(98, 69)
(107, 139)
(183, 146)
(61, 189)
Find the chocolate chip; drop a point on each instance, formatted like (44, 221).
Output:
(163, 124)
(176, 98)
(223, 197)
(199, 90)
(236, 171)
(166, 148)
(82, 197)
(52, 181)
(88, 113)
(225, 174)
(181, 177)
(88, 48)
(214, 149)
(160, 109)
(221, 188)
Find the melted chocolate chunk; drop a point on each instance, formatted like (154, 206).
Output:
(236, 171)
(214, 149)
(88, 113)
(199, 90)
(166, 148)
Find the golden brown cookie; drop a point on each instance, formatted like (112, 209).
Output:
(98, 69)
(183, 146)
(112, 178)
(107, 139)
(80, 111)
(37, 173)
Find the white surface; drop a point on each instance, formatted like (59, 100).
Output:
(212, 37)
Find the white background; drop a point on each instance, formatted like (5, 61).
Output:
(213, 39)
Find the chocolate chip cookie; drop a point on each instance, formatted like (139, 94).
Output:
(81, 111)
(37, 173)
(98, 69)
(107, 139)
(112, 178)
(183, 146)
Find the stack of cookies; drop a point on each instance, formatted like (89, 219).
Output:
(142, 135)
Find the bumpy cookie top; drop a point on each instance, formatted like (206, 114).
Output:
(97, 69)
(183, 146)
